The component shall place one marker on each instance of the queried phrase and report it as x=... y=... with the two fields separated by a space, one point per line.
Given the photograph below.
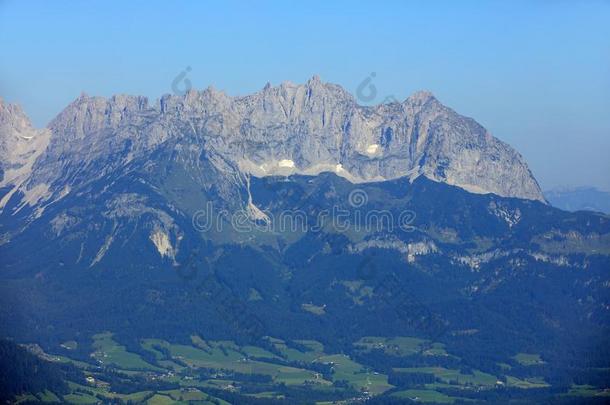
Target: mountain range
x=296 y=214
x=289 y=129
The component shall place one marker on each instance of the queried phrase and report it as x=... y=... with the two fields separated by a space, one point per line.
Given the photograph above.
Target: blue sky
x=536 y=74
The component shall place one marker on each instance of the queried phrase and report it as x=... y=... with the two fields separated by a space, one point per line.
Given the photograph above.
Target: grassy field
x=477 y=378
x=258 y=352
x=46 y=396
x=177 y=363
x=107 y=351
x=401 y=346
x=230 y=357
x=451 y=377
x=588 y=391
x=86 y=394
x=396 y=346
x=159 y=399
x=190 y=395
x=436 y=349
x=504 y=366
x=425 y=396
x=356 y=374
x=79 y=398
x=528 y=359
x=316 y=350
x=312 y=345
x=526 y=383
x=267 y=395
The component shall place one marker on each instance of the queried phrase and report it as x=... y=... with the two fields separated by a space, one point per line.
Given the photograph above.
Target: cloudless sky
x=535 y=73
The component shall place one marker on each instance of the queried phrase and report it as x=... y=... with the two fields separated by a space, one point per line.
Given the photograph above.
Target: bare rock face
x=288 y=129
x=20 y=146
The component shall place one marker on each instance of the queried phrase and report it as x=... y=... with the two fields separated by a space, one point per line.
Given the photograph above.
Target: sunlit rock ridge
x=20 y=146
x=288 y=129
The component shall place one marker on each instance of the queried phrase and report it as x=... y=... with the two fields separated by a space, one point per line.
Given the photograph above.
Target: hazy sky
x=536 y=74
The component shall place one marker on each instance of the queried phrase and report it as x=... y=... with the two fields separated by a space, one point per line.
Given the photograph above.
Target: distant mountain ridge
x=579 y=198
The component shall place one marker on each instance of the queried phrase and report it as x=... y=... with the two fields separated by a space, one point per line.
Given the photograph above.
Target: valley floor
x=277 y=371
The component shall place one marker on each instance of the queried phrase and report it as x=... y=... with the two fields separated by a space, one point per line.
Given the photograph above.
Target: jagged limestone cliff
x=304 y=129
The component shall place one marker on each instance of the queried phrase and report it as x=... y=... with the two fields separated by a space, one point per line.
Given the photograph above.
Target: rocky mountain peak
x=420 y=98
x=20 y=146
x=286 y=129
x=12 y=115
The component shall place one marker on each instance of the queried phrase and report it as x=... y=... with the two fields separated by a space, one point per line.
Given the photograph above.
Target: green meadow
x=273 y=367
